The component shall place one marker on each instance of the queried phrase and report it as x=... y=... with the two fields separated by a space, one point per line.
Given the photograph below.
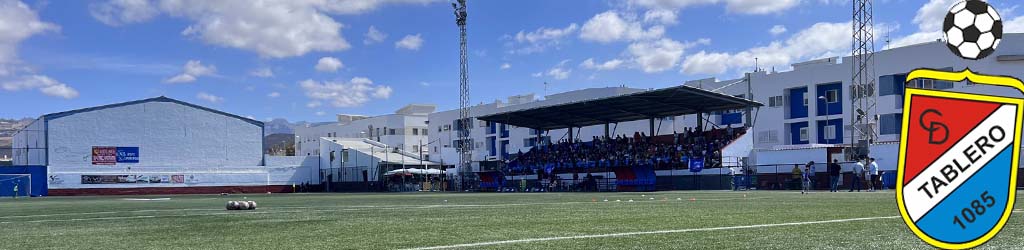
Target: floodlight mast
x=862 y=84
x=464 y=146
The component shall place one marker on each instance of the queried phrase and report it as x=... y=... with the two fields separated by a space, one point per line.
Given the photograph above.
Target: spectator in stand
x=858 y=175
x=833 y=174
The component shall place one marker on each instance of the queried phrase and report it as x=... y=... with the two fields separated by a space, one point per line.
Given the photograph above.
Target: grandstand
x=623 y=163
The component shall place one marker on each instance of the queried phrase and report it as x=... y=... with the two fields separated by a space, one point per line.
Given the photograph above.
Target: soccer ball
x=972 y=29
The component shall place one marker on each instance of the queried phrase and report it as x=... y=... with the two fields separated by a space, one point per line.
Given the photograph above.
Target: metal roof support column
x=700 y=121
x=651 y=121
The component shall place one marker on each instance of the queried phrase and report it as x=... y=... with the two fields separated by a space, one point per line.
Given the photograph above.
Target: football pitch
x=653 y=220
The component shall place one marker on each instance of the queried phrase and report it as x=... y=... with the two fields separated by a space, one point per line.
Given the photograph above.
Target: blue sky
x=308 y=60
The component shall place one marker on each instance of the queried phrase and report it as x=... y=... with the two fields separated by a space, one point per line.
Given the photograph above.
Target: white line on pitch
x=479 y=244
x=319 y=208
x=149 y=216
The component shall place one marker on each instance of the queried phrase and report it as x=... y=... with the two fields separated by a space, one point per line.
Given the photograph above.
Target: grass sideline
x=656 y=220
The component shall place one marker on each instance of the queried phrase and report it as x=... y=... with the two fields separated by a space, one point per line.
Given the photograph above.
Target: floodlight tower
x=862 y=84
x=464 y=146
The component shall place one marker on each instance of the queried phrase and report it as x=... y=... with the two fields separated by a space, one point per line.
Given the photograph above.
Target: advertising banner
x=104 y=155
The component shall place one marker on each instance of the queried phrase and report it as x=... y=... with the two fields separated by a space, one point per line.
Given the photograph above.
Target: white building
x=794 y=126
x=355 y=164
x=808 y=109
x=405 y=129
x=157 y=145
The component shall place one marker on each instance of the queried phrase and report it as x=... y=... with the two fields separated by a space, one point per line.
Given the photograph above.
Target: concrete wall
x=166 y=133
x=28 y=146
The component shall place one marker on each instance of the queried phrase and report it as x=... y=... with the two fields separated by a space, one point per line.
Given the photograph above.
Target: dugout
x=31 y=180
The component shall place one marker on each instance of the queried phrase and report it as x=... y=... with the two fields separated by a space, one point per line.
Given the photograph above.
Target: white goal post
x=8 y=182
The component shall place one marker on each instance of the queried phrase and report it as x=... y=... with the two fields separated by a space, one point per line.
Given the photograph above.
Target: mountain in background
x=282 y=126
x=279 y=144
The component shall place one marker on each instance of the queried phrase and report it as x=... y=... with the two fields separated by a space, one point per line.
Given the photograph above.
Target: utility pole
x=464 y=147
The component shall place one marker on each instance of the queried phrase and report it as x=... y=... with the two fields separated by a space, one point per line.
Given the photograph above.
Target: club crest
x=958 y=160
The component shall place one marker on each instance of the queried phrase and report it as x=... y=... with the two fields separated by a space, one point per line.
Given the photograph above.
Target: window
x=889 y=124
x=803 y=133
x=770 y=136
x=832 y=96
x=424 y=131
x=415 y=131
x=931 y=84
x=415 y=148
x=775 y=101
x=391 y=131
x=830 y=132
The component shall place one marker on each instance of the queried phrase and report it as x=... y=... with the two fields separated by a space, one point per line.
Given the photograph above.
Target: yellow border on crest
x=979 y=79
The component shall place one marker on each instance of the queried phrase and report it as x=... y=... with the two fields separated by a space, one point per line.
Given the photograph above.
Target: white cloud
x=328 y=64
x=262 y=72
x=355 y=92
x=314 y=104
x=1015 y=25
x=610 y=26
x=425 y=84
x=661 y=16
x=819 y=40
x=274 y=94
x=929 y=23
x=209 y=97
x=193 y=70
x=777 y=30
x=410 y=42
x=374 y=36
x=17 y=23
x=734 y=6
x=537 y=74
x=320 y=113
x=541 y=39
x=44 y=84
x=543 y=34
x=559 y=72
x=273 y=29
x=121 y=12
x=659 y=55
x=505 y=66
x=607 y=65
x=382 y=92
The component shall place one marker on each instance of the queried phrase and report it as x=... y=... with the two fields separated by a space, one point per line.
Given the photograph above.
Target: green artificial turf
x=411 y=220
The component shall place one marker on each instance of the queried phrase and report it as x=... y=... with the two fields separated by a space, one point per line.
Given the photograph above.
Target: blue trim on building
x=797 y=109
x=838 y=138
x=832 y=108
x=794 y=133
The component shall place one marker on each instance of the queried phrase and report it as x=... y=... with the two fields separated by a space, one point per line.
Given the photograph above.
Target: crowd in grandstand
x=661 y=152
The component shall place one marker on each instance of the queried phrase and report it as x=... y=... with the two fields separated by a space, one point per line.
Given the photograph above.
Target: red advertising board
x=104 y=155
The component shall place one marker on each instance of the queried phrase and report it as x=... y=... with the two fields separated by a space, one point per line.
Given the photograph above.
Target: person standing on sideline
x=15 y=194
x=810 y=168
x=805 y=178
x=873 y=170
x=858 y=175
x=833 y=175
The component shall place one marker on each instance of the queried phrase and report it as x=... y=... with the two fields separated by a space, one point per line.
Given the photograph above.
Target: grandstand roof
x=672 y=101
